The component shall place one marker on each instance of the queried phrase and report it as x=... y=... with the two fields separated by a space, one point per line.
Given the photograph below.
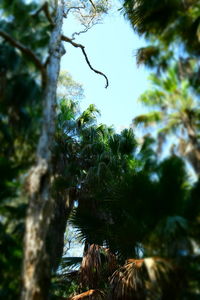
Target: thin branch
x=81 y=32
x=27 y=52
x=68 y=40
x=92 y=3
x=48 y=14
x=73 y=7
x=87 y=26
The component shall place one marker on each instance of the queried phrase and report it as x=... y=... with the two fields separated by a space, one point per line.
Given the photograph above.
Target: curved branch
x=92 y=3
x=80 y=32
x=68 y=40
x=25 y=50
x=75 y=8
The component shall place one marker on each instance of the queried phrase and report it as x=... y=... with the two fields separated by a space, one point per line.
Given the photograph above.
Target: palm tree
x=134 y=208
x=164 y=23
x=171 y=30
x=174 y=109
x=148 y=278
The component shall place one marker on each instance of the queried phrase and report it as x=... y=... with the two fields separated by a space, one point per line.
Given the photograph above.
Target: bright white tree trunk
x=37 y=260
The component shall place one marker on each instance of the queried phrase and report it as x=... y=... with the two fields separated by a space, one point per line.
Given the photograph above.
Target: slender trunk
x=55 y=239
x=37 y=257
x=194 y=155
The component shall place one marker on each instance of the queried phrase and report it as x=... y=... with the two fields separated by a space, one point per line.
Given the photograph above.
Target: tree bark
x=194 y=154
x=37 y=263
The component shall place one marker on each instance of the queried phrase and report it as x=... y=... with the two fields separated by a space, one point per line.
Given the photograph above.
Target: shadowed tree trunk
x=193 y=155
x=37 y=263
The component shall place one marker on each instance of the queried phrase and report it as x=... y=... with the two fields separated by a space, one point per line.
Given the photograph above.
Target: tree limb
x=80 y=32
x=47 y=13
x=68 y=40
x=73 y=7
x=92 y=3
x=25 y=50
x=89 y=25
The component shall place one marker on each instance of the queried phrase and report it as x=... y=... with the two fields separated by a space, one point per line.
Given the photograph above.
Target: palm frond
x=142 y=279
x=128 y=282
x=70 y=262
x=147 y=55
x=91 y=294
x=149 y=118
x=88 y=116
x=153 y=98
x=173 y=235
x=96 y=259
x=90 y=267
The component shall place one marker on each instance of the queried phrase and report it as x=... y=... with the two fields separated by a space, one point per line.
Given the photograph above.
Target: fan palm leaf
x=94 y=263
x=142 y=279
x=128 y=282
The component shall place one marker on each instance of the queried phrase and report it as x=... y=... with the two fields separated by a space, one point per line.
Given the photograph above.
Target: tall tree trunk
x=194 y=154
x=37 y=256
x=55 y=239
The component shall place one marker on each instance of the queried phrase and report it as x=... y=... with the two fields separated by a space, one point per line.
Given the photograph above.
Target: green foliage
x=171 y=29
x=122 y=195
x=129 y=201
x=174 y=111
x=37 y=35
x=168 y=21
x=128 y=206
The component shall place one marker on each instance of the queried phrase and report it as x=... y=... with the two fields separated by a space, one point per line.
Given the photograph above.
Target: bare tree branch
x=92 y=3
x=68 y=40
x=80 y=32
x=71 y=8
x=89 y=25
x=25 y=50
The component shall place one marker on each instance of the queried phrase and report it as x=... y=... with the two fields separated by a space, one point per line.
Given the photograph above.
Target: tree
x=43 y=56
x=167 y=25
x=37 y=265
x=20 y=114
x=175 y=111
x=74 y=159
x=140 y=212
x=146 y=217
x=139 y=207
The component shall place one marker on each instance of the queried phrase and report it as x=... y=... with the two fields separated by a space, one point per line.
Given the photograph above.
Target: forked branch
x=73 y=8
x=68 y=40
x=81 y=32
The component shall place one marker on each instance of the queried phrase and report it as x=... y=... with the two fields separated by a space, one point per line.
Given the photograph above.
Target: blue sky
x=110 y=47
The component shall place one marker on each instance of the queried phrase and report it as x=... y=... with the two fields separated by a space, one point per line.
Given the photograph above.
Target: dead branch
x=89 y=25
x=73 y=8
x=25 y=50
x=80 y=32
x=92 y=3
x=68 y=40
